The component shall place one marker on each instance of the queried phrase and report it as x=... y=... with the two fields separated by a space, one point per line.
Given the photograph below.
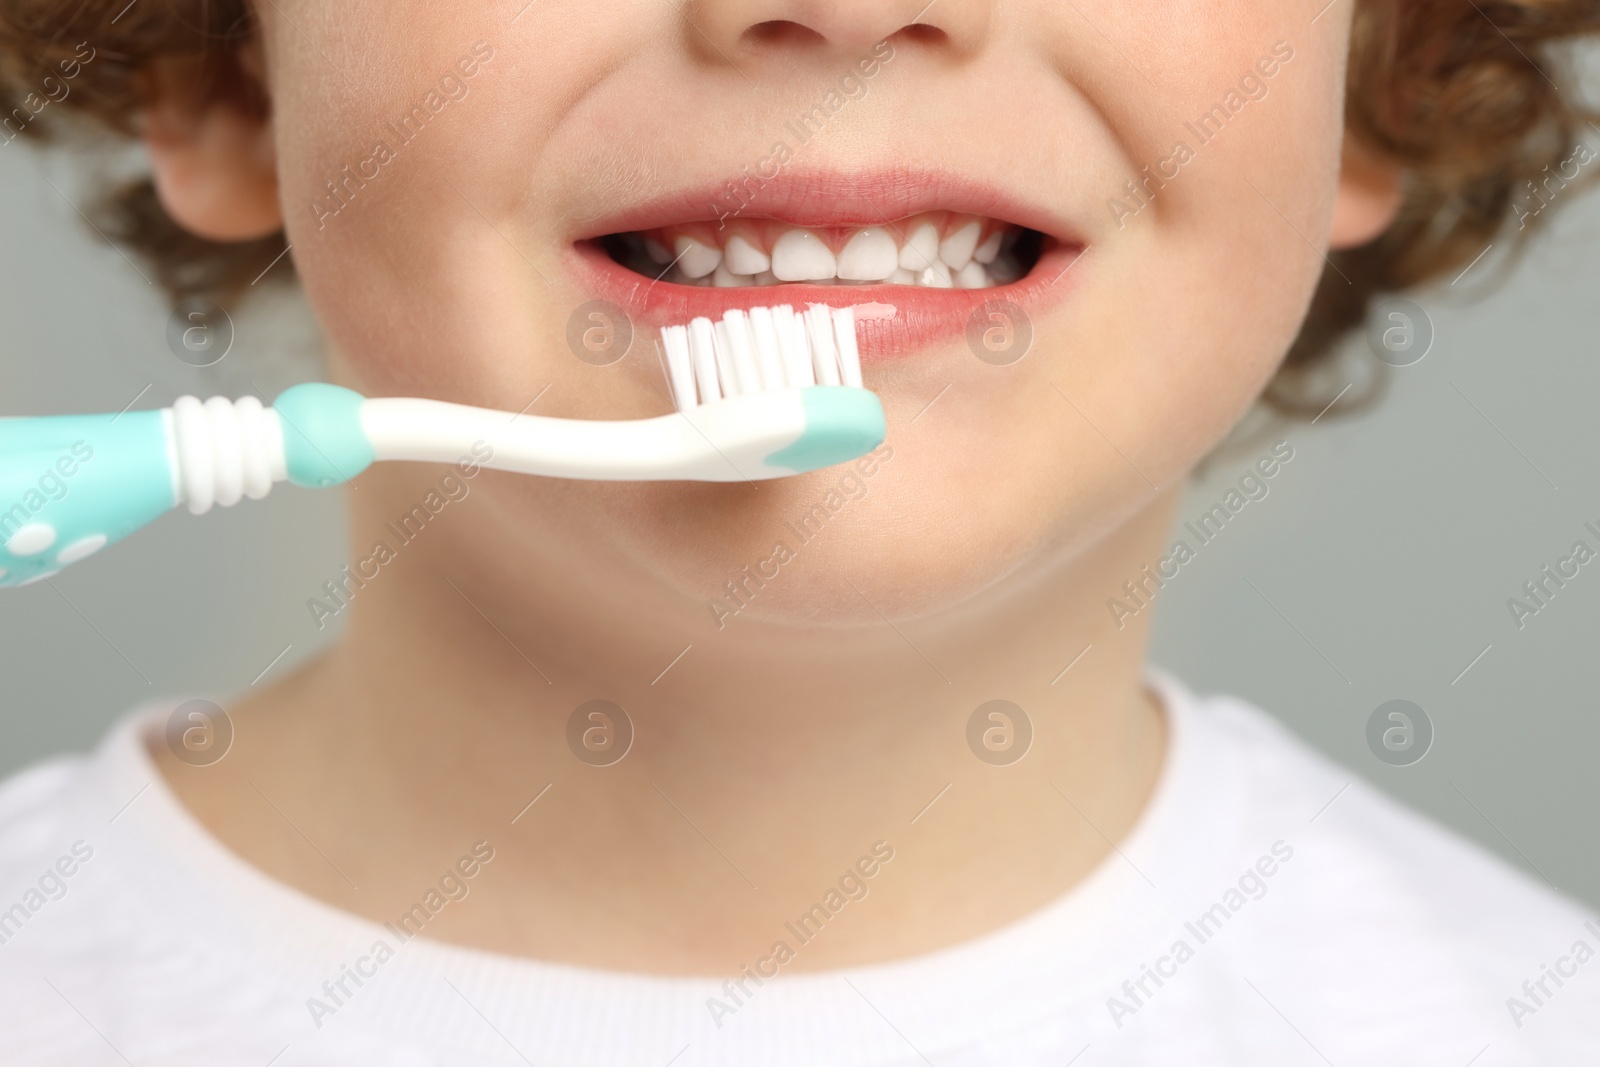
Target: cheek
x=397 y=201
x=1208 y=235
x=1215 y=270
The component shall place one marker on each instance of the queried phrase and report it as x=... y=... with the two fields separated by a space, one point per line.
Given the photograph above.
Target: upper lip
x=820 y=198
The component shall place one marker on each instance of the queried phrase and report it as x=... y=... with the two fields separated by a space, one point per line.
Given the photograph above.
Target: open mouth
x=923 y=257
x=936 y=250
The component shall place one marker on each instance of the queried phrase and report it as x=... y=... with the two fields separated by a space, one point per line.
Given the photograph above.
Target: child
x=853 y=767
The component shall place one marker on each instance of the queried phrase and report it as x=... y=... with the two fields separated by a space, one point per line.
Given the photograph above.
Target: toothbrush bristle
x=760 y=350
x=793 y=349
x=819 y=331
x=680 y=371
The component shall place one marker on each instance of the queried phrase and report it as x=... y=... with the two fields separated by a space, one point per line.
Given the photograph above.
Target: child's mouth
x=937 y=250
x=922 y=257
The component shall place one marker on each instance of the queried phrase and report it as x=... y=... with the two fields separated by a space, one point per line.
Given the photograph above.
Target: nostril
x=780 y=32
x=923 y=33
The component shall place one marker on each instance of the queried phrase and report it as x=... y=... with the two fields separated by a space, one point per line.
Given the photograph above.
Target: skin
x=826 y=715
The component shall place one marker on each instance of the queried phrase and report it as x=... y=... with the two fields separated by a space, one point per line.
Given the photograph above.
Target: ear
x=1368 y=197
x=208 y=130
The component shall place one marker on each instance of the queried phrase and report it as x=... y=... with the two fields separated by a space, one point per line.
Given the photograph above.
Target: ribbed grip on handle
x=225 y=450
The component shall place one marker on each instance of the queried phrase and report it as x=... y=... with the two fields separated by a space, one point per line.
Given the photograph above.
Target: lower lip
x=892 y=320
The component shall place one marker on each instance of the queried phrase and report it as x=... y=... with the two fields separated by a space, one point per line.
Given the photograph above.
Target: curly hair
x=1462 y=94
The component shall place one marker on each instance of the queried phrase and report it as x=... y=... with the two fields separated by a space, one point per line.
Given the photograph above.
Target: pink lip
x=895 y=320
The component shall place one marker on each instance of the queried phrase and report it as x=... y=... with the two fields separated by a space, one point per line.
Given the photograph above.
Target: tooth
x=901 y=276
x=742 y=257
x=921 y=248
x=695 y=259
x=936 y=277
x=766 y=277
x=800 y=257
x=723 y=278
x=972 y=276
x=957 y=249
x=870 y=256
x=657 y=251
x=990 y=248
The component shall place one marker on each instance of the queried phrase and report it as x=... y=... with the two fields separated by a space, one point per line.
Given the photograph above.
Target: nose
x=843 y=29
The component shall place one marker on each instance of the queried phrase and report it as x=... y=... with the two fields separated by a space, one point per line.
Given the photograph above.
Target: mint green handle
x=72 y=484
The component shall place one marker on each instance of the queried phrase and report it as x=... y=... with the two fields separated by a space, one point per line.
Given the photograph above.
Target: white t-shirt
x=1268 y=908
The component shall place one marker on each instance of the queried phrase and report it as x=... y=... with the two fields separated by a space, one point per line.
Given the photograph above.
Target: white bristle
x=793 y=349
x=736 y=331
x=680 y=371
x=819 y=331
x=844 y=337
x=703 y=360
x=760 y=350
x=764 y=334
x=726 y=371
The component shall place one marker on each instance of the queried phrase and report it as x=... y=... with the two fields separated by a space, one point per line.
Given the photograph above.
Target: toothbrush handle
x=72 y=484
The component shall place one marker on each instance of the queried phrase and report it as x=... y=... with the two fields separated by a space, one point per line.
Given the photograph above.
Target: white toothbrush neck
x=725 y=441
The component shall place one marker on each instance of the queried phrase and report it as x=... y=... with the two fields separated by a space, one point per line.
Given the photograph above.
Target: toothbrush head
x=776 y=391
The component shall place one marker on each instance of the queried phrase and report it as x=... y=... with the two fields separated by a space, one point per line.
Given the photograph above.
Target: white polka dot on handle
x=31 y=539
x=82 y=548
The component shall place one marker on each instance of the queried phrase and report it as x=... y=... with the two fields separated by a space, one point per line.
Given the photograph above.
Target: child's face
x=453 y=255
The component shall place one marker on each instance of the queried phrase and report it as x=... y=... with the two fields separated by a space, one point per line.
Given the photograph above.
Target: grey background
x=1378 y=567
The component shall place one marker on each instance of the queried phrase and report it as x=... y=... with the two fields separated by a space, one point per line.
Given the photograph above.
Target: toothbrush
x=761 y=394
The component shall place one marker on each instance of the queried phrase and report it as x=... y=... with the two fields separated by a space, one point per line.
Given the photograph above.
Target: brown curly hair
x=1462 y=94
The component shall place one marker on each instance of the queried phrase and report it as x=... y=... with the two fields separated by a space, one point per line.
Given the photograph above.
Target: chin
x=908 y=531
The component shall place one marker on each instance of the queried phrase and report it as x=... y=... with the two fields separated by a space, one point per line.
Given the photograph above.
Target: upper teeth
x=939 y=250
x=870 y=255
x=696 y=260
x=742 y=257
x=957 y=248
x=800 y=256
x=918 y=253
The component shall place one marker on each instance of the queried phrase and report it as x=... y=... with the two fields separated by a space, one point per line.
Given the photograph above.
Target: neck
x=764 y=762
